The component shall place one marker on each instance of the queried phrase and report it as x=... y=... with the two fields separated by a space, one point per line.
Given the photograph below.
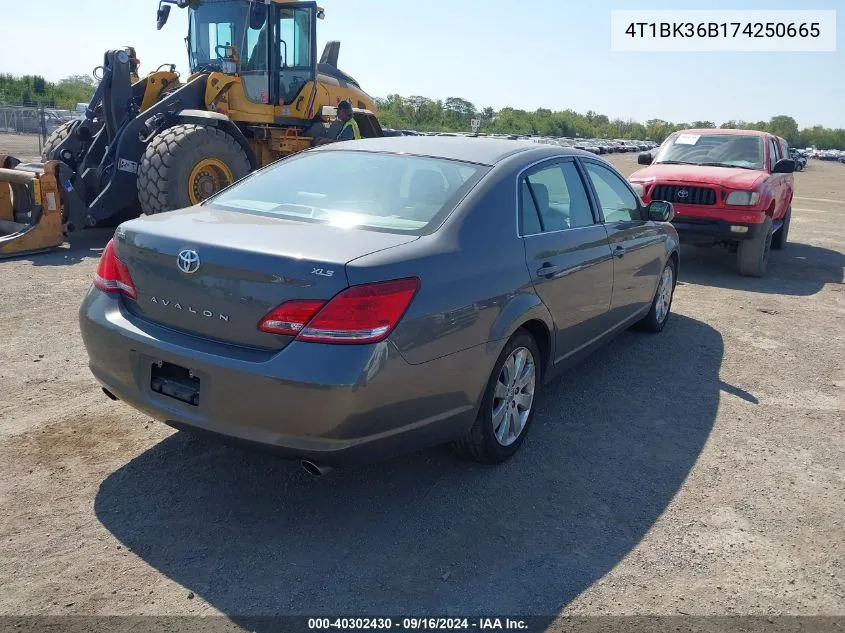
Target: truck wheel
x=185 y=164
x=56 y=138
x=753 y=255
x=779 y=238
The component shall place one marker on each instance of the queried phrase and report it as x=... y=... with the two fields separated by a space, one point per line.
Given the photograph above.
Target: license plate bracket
x=175 y=382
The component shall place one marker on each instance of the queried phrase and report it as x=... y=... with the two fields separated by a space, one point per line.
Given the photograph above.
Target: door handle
x=548 y=270
x=619 y=251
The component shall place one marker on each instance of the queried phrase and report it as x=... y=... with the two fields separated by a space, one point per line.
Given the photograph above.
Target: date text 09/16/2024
x=419 y=624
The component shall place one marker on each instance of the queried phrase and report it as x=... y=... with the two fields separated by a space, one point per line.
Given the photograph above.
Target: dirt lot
x=697 y=472
x=22 y=146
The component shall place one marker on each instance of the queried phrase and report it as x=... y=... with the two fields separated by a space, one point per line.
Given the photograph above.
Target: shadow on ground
x=798 y=270
x=78 y=246
x=611 y=445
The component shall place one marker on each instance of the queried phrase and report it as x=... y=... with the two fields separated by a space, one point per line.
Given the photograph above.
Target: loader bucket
x=30 y=207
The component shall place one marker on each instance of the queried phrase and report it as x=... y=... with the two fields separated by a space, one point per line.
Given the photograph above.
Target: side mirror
x=645 y=158
x=162 y=15
x=661 y=211
x=784 y=166
x=257 y=16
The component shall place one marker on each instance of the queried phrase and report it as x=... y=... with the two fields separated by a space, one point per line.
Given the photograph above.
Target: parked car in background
x=799 y=158
x=422 y=294
x=729 y=187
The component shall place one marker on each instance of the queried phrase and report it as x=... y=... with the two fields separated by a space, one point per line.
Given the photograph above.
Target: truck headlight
x=742 y=198
x=638 y=189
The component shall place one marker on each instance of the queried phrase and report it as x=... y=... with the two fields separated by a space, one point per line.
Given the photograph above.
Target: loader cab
x=271 y=45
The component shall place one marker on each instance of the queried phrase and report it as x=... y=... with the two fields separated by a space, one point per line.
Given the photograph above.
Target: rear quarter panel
x=475 y=288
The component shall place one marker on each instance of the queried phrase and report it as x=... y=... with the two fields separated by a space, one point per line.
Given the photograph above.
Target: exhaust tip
x=315 y=470
x=109 y=394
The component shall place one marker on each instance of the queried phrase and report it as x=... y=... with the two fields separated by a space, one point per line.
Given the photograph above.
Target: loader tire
x=186 y=163
x=56 y=138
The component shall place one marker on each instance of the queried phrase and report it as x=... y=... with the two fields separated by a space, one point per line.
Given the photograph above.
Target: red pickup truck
x=728 y=187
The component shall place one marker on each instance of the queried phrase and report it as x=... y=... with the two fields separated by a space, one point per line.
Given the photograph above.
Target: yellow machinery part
x=6 y=202
x=157 y=83
x=208 y=176
x=47 y=231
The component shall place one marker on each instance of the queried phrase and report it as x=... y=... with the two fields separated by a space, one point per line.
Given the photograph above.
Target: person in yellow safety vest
x=349 y=131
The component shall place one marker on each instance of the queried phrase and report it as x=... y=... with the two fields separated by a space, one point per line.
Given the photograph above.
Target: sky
x=530 y=54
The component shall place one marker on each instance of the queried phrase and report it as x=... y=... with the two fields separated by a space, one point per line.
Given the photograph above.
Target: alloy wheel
x=513 y=396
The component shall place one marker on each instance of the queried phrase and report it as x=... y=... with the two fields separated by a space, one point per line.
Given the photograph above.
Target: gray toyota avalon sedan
x=370 y=298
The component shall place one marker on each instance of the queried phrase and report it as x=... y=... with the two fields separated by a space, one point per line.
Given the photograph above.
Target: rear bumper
x=334 y=404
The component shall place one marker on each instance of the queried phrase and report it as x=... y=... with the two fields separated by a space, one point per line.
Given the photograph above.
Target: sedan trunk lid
x=235 y=268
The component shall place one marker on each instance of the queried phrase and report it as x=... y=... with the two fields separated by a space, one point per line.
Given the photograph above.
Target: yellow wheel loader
x=256 y=92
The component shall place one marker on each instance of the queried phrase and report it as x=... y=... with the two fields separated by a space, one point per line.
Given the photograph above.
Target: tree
x=453 y=114
x=785 y=127
x=79 y=80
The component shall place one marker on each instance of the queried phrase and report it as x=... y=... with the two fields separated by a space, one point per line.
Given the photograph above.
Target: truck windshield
x=217 y=24
x=727 y=150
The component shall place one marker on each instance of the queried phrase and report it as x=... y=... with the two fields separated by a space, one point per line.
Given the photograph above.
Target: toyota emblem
x=682 y=193
x=188 y=261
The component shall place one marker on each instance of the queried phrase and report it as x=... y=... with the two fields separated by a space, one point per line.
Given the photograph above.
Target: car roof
x=481 y=150
x=724 y=131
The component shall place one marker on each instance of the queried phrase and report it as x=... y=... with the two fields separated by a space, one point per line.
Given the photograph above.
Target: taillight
x=112 y=274
x=290 y=317
x=361 y=314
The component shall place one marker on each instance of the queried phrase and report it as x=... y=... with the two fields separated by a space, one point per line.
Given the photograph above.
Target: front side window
x=716 y=150
x=388 y=192
x=618 y=202
x=775 y=152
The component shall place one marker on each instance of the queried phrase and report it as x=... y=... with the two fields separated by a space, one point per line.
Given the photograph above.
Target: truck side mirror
x=162 y=15
x=645 y=158
x=784 y=166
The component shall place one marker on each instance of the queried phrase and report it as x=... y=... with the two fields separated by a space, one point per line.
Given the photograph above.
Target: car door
x=636 y=243
x=567 y=252
x=778 y=181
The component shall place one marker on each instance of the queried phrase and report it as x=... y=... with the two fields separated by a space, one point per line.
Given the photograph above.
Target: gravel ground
x=696 y=472
x=24 y=147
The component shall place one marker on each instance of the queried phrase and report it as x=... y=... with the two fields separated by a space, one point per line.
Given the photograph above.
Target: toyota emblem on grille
x=682 y=193
x=188 y=261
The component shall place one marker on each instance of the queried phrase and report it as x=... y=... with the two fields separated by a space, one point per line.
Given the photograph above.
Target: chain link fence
x=32 y=119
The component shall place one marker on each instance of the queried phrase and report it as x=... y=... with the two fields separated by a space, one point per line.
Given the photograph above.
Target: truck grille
x=683 y=195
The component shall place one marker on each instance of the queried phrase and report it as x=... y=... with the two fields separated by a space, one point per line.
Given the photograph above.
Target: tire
x=752 y=256
x=56 y=138
x=480 y=444
x=779 y=239
x=165 y=170
x=661 y=304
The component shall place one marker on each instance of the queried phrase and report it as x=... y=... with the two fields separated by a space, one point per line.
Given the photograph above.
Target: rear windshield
x=395 y=193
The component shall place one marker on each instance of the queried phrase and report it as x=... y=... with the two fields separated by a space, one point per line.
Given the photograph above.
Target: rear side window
x=387 y=192
x=554 y=199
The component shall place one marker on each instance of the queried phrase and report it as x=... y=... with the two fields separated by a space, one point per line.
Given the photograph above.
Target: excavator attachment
x=30 y=207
